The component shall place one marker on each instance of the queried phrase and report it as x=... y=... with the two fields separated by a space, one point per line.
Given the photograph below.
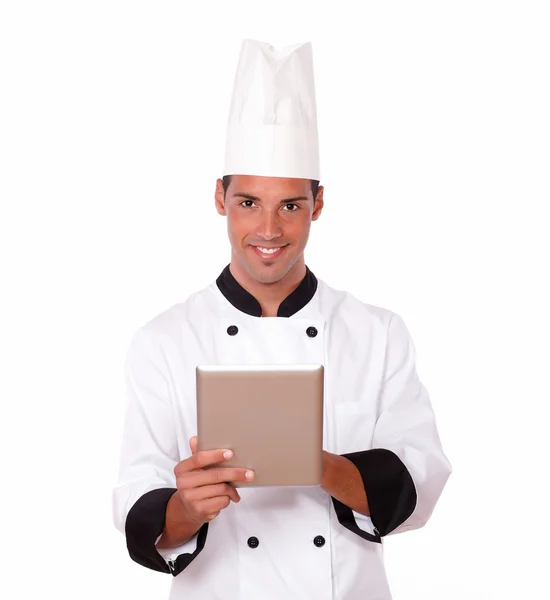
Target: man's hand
x=202 y=493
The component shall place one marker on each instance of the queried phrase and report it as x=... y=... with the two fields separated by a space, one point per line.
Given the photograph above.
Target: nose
x=269 y=227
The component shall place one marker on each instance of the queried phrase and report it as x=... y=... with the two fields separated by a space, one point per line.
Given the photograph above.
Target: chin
x=269 y=272
x=269 y=277
x=266 y=274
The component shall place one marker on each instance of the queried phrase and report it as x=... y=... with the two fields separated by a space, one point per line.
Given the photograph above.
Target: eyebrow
x=285 y=201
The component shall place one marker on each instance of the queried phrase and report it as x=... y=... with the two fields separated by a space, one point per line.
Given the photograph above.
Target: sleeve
x=149 y=453
x=406 y=470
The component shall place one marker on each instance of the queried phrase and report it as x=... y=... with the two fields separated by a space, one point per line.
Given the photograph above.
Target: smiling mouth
x=269 y=252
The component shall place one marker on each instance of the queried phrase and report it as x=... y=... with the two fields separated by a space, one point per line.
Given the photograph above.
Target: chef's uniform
x=280 y=543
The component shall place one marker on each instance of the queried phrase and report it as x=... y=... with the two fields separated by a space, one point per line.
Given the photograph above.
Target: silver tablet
x=271 y=416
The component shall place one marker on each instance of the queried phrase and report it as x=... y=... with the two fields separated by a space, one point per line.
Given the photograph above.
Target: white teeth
x=268 y=250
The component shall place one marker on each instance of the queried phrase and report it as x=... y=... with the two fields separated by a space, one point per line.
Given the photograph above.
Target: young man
x=383 y=465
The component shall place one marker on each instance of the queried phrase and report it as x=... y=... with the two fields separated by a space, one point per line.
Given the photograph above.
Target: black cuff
x=390 y=489
x=145 y=522
x=346 y=518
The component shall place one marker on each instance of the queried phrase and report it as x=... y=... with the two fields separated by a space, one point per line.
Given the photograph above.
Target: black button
x=253 y=542
x=319 y=541
x=311 y=331
x=232 y=330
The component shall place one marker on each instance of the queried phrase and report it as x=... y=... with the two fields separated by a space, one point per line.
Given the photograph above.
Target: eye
x=292 y=204
x=245 y=201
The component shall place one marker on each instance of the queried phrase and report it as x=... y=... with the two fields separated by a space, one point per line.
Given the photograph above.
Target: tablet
x=271 y=416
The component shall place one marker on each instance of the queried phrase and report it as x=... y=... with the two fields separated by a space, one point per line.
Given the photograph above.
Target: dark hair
x=314 y=185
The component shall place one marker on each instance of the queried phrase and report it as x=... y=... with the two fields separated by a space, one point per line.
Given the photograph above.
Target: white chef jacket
x=278 y=543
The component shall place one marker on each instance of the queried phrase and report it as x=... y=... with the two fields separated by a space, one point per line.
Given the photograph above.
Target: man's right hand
x=201 y=495
x=204 y=493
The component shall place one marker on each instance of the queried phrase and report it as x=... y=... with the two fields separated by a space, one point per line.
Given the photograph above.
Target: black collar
x=245 y=301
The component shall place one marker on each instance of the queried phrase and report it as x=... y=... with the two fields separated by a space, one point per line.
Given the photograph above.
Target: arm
x=342 y=480
x=404 y=472
x=149 y=453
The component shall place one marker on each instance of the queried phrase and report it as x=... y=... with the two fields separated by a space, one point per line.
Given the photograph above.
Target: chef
x=383 y=465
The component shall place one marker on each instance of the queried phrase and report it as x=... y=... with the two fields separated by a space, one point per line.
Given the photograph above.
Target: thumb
x=194 y=444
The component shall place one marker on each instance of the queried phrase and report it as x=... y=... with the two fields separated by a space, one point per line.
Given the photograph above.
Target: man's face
x=268 y=222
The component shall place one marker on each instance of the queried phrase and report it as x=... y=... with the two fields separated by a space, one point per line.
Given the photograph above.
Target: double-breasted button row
x=318 y=541
x=310 y=331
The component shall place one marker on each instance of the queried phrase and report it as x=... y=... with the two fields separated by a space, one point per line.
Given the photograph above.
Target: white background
x=434 y=130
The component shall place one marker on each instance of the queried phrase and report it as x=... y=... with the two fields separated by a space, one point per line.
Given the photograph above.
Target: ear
x=218 y=198
x=319 y=203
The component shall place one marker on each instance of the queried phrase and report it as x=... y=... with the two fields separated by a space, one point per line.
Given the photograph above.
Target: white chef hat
x=272 y=125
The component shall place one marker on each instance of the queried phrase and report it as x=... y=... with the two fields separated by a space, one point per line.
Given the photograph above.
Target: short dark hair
x=314 y=185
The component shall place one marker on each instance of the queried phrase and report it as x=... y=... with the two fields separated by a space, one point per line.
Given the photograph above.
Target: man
x=383 y=465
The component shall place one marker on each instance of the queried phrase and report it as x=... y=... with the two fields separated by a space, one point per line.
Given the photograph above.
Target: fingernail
x=249 y=475
x=228 y=454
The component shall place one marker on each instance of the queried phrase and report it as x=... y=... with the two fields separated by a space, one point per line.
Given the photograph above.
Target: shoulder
x=336 y=303
x=170 y=322
x=357 y=318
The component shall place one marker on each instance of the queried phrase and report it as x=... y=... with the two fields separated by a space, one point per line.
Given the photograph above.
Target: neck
x=269 y=295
